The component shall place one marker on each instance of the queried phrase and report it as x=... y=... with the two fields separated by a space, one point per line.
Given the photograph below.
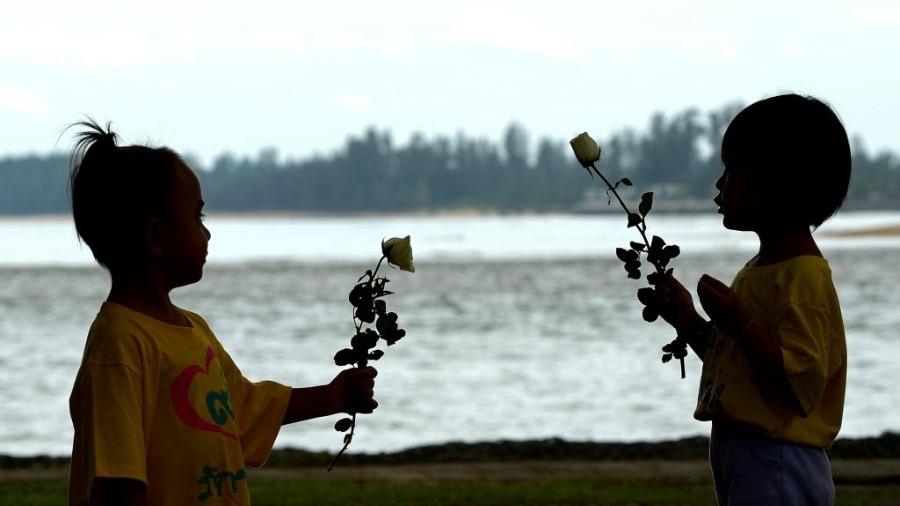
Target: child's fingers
x=363 y=384
x=364 y=373
x=362 y=401
x=364 y=406
x=712 y=284
x=367 y=372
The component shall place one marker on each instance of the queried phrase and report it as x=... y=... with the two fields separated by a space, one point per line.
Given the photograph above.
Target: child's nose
x=720 y=183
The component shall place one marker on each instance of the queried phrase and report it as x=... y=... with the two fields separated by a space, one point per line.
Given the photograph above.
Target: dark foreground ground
x=870 y=461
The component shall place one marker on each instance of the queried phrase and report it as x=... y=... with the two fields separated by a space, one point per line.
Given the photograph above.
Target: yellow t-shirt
x=795 y=300
x=167 y=406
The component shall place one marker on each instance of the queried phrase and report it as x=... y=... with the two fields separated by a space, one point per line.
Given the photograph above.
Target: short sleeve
x=112 y=431
x=259 y=410
x=805 y=333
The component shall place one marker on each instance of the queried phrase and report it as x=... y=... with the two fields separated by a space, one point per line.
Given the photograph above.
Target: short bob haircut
x=116 y=190
x=797 y=151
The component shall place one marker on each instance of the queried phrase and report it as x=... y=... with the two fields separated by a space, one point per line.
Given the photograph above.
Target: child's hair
x=797 y=151
x=115 y=190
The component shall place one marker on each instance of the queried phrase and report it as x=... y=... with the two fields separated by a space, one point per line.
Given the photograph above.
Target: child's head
x=134 y=204
x=796 y=156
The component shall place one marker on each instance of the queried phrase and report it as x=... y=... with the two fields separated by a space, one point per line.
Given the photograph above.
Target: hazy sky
x=300 y=76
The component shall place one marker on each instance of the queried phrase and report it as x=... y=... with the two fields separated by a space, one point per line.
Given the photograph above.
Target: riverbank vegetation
x=676 y=156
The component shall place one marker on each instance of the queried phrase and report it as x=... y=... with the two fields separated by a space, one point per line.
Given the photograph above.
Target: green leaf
x=656 y=244
x=667 y=357
x=672 y=251
x=634 y=219
x=637 y=246
x=345 y=357
x=343 y=425
x=626 y=255
x=394 y=337
x=645 y=295
x=649 y=314
x=387 y=323
x=634 y=274
x=364 y=340
x=632 y=265
x=625 y=181
x=359 y=294
x=646 y=203
x=365 y=314
x=380 y=307
x=375 y=354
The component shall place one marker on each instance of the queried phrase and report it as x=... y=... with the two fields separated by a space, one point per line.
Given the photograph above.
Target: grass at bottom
x=552 y=491
x=33 y=493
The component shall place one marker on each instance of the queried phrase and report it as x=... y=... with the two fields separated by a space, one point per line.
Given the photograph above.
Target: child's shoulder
x=801 y=270
x=196 y=320
x=117 y=322
x=802 y=265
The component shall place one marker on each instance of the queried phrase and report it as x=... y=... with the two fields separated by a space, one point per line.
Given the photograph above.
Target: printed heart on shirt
x=181 y=400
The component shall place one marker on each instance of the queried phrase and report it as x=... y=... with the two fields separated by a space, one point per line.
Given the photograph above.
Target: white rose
x=399 y=252
x=586 y=149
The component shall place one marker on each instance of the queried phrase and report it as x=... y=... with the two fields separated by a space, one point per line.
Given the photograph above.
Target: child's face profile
x=183 y=235
x=740 y=206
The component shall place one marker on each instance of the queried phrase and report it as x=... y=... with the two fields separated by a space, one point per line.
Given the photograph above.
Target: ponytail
x=93 y=142
x=115 y=189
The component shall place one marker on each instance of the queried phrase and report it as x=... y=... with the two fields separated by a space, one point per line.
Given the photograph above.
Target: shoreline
x=883 y=447
x=883 y=231
x=891 y=230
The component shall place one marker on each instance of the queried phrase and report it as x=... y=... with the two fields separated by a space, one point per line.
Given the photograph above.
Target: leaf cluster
x=657 y=253
x=369 y=307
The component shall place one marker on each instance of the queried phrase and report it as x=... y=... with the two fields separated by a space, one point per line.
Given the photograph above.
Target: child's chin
x=731 y=223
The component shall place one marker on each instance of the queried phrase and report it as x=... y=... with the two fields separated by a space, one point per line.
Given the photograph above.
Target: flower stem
x=346 y=444
x=641 y=227
x=375 y=272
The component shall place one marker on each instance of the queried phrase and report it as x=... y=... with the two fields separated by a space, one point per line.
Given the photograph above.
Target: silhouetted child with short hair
x=162 y=414
x=774 y=355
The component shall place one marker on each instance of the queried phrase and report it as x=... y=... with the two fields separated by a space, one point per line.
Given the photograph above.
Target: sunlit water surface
x=519 y=327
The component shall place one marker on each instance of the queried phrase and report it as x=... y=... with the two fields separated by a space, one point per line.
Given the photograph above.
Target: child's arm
x=118 y=492
x=351 y=391
x=762 y=350
x=676 y=306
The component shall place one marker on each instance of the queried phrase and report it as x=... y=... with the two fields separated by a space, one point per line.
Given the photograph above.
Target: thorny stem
x=358 y=324
x=642 y=227
x=378 y=267
x=346 y=444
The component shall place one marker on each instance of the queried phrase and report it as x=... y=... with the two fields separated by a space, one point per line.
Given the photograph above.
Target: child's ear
x=153 y=237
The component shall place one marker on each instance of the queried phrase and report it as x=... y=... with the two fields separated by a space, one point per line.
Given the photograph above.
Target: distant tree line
x=372 y=173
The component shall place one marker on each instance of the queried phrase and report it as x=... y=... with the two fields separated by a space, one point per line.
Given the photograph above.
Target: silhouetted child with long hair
x=774 y=355
x=162 y=414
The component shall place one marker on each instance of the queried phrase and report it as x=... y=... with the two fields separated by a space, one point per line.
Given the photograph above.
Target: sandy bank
x=885 y=231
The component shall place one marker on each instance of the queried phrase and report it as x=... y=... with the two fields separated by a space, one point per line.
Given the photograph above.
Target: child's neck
x=778 y=245
x=145 y=294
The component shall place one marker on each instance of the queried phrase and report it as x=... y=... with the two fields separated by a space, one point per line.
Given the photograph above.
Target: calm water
x=519 y=327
